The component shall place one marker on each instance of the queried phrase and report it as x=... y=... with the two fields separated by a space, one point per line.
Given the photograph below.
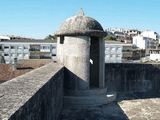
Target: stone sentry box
x=81 y=49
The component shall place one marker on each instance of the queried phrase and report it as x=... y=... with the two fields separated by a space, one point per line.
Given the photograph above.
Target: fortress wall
x=132 y=77
x=34 y=61
x=36 y=95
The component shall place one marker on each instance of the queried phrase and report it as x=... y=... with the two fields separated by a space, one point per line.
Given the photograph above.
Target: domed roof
x=80 y=25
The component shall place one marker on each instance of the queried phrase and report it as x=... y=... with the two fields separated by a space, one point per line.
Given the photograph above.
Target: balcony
x=34 y=49
x=6 y=57
x=6 y=50
x=45 y=57
x=45 y=50
x=126 y=50
x=39 y=57
x=34 y=57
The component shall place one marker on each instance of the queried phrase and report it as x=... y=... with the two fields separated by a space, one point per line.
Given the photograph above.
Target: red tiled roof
x=7 y=72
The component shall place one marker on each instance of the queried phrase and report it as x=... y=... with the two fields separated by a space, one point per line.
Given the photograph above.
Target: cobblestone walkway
x=128 y=107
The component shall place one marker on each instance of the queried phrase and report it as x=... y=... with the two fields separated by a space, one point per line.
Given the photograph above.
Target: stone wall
x=37 y=95
x=132 y=77
x=34 y=61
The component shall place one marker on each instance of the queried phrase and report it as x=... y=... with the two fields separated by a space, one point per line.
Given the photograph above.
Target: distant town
x=121 y=45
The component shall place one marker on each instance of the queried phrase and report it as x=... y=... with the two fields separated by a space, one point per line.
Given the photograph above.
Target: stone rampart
x=34 y=61
x=132 y=77
x=37 y=95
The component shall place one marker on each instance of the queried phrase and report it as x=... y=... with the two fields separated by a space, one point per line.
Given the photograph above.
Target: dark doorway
x=94 y=61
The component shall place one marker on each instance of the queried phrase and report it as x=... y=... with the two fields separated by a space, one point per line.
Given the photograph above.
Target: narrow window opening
x=61 y=39
x=94 y=61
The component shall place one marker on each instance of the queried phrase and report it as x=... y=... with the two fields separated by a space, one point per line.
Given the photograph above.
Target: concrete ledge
x=95 y=100
x=34 y=95
x=95 y=91
x=132 y=77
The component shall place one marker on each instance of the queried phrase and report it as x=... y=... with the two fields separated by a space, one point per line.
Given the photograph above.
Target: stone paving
x=137 y=106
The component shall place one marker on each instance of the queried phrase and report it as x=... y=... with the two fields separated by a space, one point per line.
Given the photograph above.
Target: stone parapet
x=132 y=77
x=36 y=95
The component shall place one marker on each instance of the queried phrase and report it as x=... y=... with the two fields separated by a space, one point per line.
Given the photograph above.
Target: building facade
x=155 y=54
x=151 y=34
x=27 y=49
x=117 y=52
x=4 y=38
x=12 y=37
x=132 y=32
x=144 y=42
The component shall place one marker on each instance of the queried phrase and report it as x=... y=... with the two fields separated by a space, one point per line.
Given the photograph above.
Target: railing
x=126 y=50
x=39 y=57
x=34 y=57
x=45 y=57
x=34 y=49
x=45 y=50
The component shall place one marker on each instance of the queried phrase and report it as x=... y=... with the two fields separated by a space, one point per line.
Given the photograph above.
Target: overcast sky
x=39 y=18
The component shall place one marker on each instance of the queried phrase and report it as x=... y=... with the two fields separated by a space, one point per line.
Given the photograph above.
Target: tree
x=51 y=37
x=110 y=38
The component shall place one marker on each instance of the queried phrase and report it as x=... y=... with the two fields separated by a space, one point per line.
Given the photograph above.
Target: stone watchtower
x=81 y=49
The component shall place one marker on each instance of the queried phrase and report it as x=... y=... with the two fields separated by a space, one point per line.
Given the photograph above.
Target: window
x=112 y=55
x=61 y=39
x=26 y=47
x=107 y=48
x=25 y=54
x=13 y=54
x=6 y=47
x=13 y=47
x=107 y=55
x=19 y=54
x=19 y=47
x=118 y=49
x=6 y=54
x=53 y=47
x=118 y=55
x=7 y=61
x=45 y=47
x=43 y=54
x=112 y=48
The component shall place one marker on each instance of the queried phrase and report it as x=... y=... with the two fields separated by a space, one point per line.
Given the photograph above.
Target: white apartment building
x=115 y=30
x=27 y=49
x=132 y=32
x=4 y=38
x=150 y=34
x=155 y=57
x=116 y=52
x=144 y=42
x=155 y=54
